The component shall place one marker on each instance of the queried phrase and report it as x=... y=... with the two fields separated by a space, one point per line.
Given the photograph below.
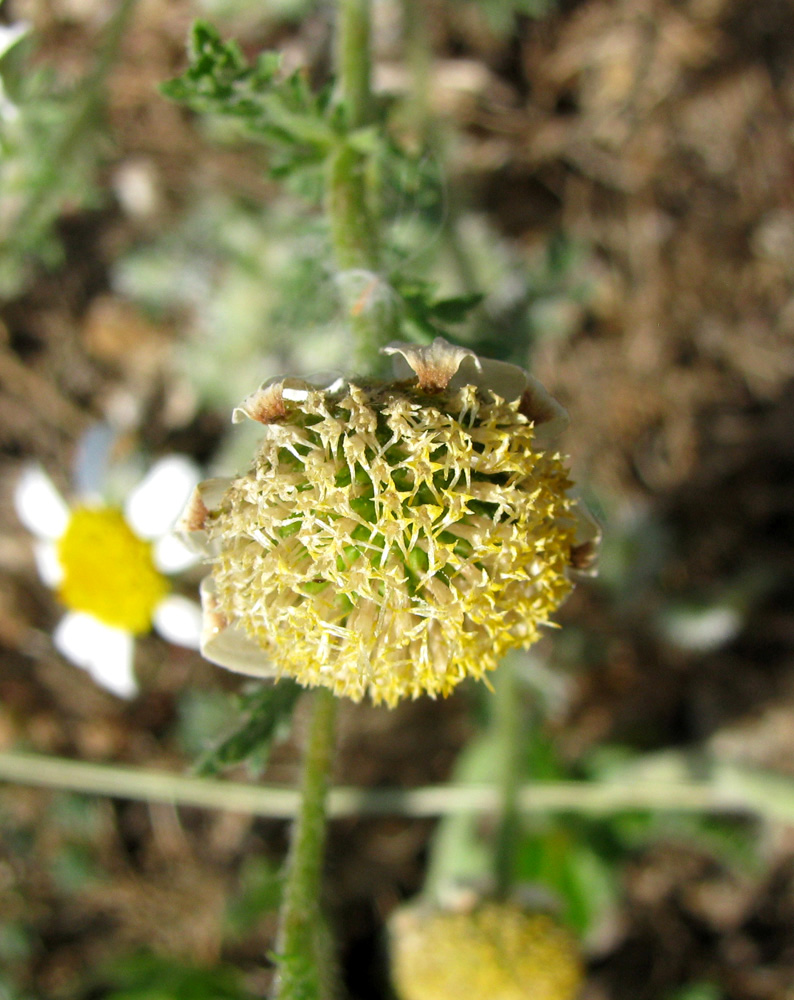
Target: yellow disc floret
x=108 y=571
x=493 y=952
x=394 y=542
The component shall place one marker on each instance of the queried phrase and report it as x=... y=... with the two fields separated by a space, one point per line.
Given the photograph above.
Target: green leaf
x=263 y=714
x=501 y=14
x=259 y=893
x=365 y=140
x=430 y=315
x=697 y=991
x=561 y=858
x=50 y=150
x=151 y=977
x=456 y=309
x=281 y=111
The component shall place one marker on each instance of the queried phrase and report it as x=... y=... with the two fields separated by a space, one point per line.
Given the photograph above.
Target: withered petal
x=434 y=365
x=538 y=405
x=192 y=525
x=224 y=643
x=267 y=405
x=584 y=551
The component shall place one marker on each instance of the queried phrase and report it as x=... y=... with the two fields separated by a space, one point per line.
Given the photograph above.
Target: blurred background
x=617 y=178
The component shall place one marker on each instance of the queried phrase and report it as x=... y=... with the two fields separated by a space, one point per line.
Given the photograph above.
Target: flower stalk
x=353 y=61
x=506 y=725
x=305 y=964
x=430 y=135
x=351 y=199
x=305 y=970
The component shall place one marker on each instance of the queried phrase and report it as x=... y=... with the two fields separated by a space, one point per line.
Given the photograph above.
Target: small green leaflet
x=262 y=714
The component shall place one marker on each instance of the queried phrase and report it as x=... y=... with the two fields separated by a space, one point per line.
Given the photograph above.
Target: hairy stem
x=353 y=59
x=506 y=719
x=431 y=136
x=305 y=966
x=351 y=197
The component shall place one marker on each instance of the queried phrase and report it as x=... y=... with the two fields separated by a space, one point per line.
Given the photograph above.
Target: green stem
x=729 y=789
x=458 y=853
x=506 y=718
x=352 y=229
x=350 y=198
x=305 y=968
x=431 y=135
x=353 y=62
x=418 y=56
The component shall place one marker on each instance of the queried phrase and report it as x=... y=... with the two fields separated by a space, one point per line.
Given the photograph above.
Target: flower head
x=392 y=538
x=108 y=565
x=493 y=951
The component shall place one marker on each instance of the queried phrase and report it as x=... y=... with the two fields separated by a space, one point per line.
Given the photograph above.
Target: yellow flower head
x=495 y=951
x=108 y=571
x=392 y=538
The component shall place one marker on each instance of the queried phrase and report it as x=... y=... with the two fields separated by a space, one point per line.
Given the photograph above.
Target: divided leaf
x=262 y=715
x=281 y=110
x=432 y=316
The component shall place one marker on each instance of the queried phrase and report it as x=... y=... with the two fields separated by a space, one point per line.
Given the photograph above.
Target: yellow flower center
x=108 y=571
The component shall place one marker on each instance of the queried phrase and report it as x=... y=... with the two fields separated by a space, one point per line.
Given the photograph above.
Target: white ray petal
x=226 y=643
x=39 y=505
x=171 y=555
x=157 y=501
x=47 y=563
x=105 y=652
x=92 y=462
x=230 y=647
x=506 y=380
x=442 y=365
x=178 y=619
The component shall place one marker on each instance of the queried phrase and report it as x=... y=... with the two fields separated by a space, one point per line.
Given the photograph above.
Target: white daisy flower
x=10 y=34
x=109 y=566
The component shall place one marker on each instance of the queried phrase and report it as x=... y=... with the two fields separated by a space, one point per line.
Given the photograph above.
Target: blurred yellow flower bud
x=494 y=951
